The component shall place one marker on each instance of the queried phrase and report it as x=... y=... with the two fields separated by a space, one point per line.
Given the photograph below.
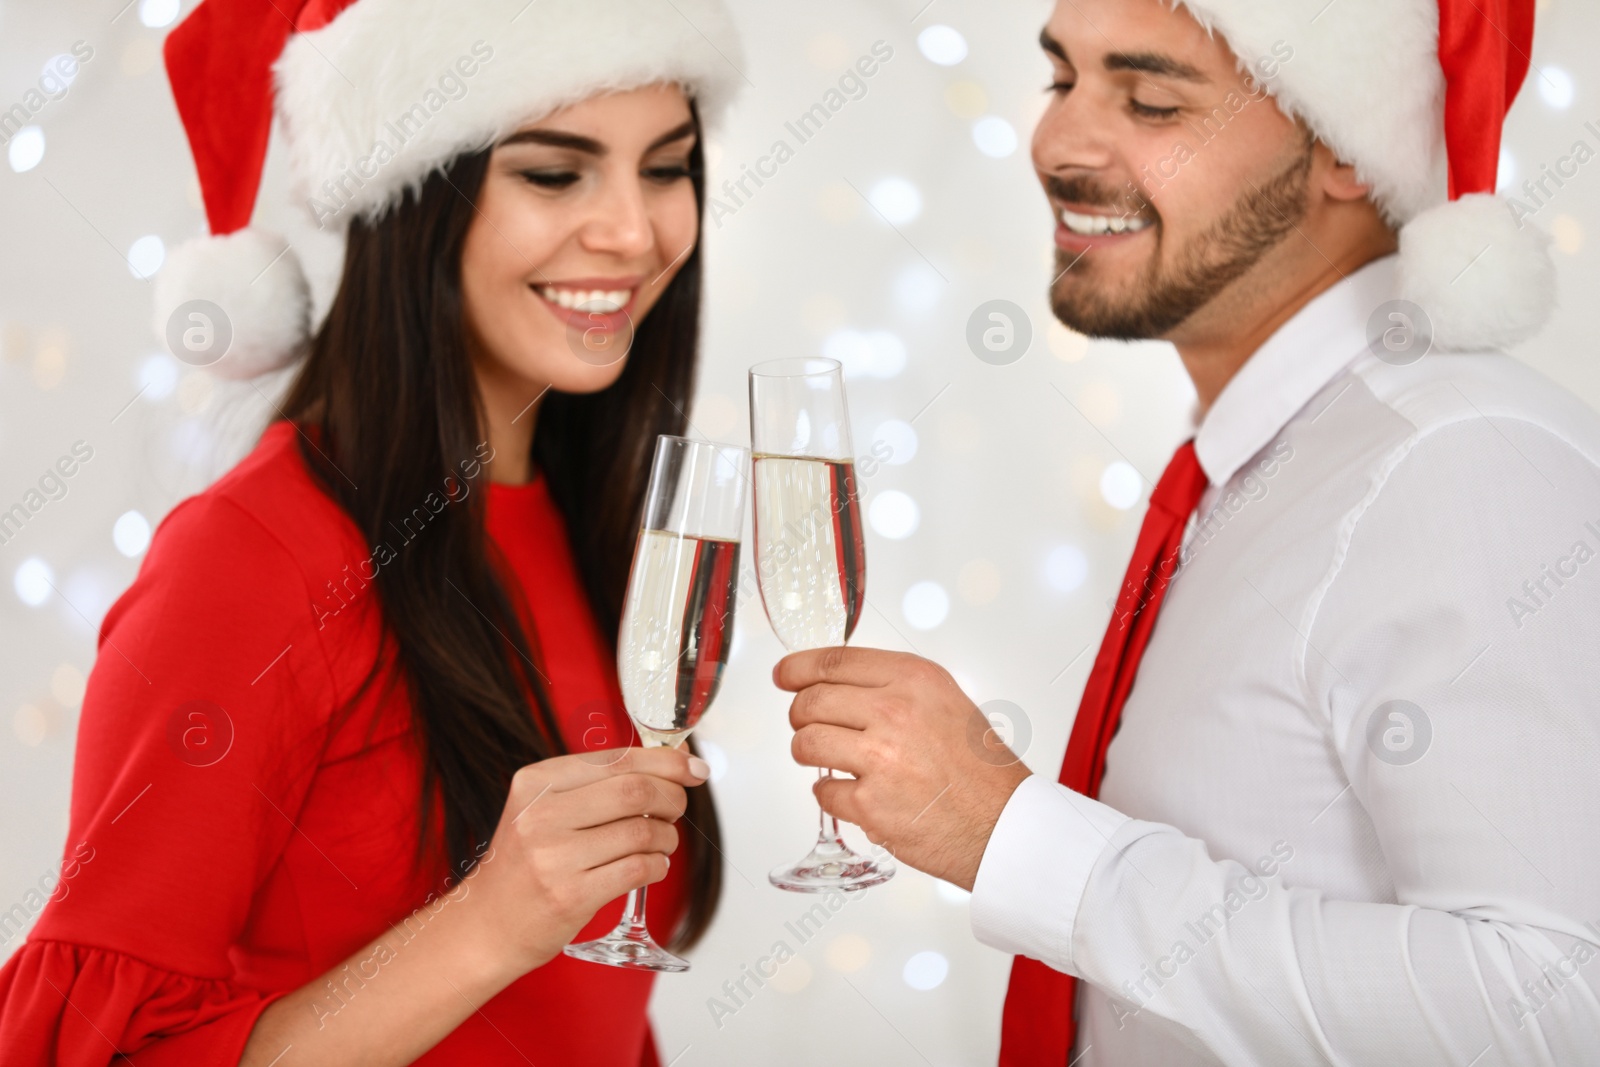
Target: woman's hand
x=577 y=832
x=572 y=837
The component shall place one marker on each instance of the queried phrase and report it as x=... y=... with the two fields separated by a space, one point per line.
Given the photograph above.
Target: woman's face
x=584 y=218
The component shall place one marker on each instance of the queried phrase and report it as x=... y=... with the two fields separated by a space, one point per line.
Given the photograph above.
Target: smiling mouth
x=596 y=301
x=1085 y=225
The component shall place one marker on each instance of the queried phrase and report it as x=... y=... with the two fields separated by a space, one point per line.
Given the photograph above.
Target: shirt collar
x=1302 y=356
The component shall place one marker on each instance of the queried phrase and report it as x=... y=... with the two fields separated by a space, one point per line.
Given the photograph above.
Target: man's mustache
x=1079 y=189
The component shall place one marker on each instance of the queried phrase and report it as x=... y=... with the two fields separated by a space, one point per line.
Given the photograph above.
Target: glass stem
x=827 y=825
x=633 y=913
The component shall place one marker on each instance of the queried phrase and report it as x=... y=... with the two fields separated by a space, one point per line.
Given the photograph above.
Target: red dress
x=232 y=837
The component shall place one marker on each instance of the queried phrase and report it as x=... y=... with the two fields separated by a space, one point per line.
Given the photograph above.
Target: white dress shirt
x=1352 y=813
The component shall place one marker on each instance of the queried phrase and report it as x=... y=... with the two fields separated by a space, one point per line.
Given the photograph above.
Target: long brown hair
x=389 y=388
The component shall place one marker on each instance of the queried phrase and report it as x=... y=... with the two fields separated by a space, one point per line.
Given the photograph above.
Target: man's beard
x=1163 y=298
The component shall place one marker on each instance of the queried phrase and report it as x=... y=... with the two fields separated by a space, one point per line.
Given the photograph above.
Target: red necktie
x=1037 y=1026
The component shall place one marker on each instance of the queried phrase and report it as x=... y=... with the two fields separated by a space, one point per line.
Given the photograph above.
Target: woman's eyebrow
x=556 y=139
x=579 y=143
x=677 y=133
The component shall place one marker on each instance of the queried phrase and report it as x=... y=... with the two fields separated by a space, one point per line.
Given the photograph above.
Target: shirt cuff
x=1035 y=868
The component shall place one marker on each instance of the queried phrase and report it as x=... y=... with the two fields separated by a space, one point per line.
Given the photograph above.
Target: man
x=1351 y=811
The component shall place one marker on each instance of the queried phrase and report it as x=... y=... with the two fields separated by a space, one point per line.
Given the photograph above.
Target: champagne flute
x=677 y=627
x=811 y=562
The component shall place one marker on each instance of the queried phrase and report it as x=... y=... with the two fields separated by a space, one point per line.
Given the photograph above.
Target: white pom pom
x=237 y=304
x=1483 y=276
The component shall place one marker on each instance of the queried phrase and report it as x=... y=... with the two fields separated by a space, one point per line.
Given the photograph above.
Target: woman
x=352 y=766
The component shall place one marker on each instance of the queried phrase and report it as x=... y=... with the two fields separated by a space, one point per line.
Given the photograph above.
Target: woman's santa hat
x=1413 y=93
x=372 y=97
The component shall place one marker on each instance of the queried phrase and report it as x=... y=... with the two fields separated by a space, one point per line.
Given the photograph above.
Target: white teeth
x=600 y=301
x=1094 y=225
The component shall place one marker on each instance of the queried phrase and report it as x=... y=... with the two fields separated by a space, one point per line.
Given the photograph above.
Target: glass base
x=832 y=865
x=628 y=947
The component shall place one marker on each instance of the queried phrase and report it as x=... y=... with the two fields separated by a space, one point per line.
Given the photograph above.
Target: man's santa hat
x=372 y=97
x=1413 y=93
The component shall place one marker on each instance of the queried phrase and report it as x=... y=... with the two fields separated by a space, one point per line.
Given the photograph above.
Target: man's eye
x=1144 y=111
x=550 y=179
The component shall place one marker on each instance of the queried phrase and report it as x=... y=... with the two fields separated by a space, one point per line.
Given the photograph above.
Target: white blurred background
x=997 y=535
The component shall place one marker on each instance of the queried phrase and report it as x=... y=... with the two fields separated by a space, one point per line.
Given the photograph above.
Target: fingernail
x=669 y=862
x=699 y=767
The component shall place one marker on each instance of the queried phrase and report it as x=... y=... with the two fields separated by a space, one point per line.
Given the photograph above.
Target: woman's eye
x=550 y=179
x=665 y=175
x=1144 y=111
x=1059 y=87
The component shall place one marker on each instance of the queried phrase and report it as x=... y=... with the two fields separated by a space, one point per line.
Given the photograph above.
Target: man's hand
x=931 y=777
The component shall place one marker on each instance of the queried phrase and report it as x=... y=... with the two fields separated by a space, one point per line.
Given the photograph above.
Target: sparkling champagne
x=677 y=628
x=811 y=561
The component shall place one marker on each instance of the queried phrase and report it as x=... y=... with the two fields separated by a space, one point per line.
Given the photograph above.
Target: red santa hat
x=372 y=97
x=1414 y=93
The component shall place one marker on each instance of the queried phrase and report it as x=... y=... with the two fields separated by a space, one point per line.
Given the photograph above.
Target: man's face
x=1170 y=172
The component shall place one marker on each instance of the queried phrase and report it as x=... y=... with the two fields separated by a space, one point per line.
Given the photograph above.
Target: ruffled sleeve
x=200 y=733
x=59 y=999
